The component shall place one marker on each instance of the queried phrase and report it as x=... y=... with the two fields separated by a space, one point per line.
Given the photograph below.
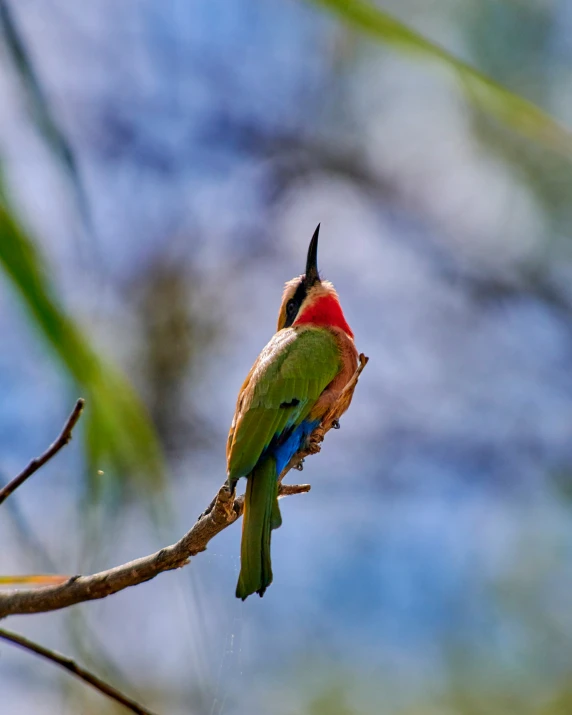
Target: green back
x=286 y=381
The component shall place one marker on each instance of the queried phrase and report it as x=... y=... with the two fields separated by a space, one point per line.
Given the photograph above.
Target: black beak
x=312 y=275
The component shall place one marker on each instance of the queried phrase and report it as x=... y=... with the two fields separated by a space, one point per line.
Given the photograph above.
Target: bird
x=296 y=378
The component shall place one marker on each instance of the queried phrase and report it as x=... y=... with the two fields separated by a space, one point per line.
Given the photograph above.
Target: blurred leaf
x=39 y=105
x=34 y=579
x=508 y=107
x=119 y=433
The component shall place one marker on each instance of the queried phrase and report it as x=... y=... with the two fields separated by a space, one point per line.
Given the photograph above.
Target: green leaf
x=119 y=433
x=39 y=106
x=507 y=107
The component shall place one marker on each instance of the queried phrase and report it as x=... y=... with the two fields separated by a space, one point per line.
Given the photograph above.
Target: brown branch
x=71 y=666
x=223 y=511
x=226 y=511
x=53 y=449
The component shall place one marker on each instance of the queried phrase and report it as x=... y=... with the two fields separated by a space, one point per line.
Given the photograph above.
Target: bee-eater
x=295 y=380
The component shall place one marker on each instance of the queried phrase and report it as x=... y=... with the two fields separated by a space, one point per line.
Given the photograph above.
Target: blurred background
x=164 y=165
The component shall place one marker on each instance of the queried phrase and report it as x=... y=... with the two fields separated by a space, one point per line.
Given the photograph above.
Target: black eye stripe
x=294 y=304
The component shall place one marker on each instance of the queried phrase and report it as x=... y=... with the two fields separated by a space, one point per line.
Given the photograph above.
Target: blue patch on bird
x=283 y=451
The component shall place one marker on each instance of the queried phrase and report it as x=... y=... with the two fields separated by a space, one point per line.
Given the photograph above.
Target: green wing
x=284 y=384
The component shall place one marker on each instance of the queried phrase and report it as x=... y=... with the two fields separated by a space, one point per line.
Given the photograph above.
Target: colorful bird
x=295 y=380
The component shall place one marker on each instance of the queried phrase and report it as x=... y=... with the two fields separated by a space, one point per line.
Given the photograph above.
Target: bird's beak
x=312 y=275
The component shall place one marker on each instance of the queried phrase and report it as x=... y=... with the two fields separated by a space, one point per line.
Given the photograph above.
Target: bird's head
x=307 y=299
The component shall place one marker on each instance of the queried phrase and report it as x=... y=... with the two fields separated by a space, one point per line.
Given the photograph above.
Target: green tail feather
x=261 y=515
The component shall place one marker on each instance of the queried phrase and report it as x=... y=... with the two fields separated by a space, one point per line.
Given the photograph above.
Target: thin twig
x=53 y=449
x=71 y=666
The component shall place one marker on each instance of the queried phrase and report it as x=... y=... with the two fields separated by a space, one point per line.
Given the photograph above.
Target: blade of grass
x=39 y=105
x=507 y=107
x=119 y=433
x=33 y=579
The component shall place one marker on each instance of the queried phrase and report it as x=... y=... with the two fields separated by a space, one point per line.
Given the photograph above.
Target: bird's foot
x=225 y=498
x=300 y=466
x=336 y=424
x=315 y=441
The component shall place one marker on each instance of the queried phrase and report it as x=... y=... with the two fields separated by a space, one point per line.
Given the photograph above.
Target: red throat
x=325 y=311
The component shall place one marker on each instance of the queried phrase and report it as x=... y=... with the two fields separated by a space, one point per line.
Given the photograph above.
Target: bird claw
x=225 y=500
x=314 y=444
x=300 y=466
x=336 y=424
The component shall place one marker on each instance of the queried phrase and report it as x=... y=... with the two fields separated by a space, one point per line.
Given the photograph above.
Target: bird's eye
x=291 y=308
